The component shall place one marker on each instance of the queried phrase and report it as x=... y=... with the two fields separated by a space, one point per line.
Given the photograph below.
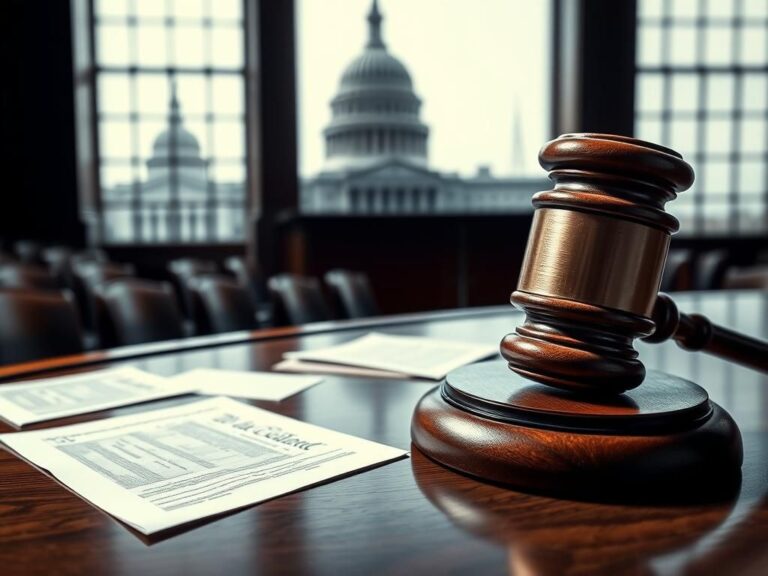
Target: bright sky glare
x=477 y=66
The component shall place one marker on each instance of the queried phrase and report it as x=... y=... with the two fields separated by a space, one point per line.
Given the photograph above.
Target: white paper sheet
x=169 y=467
x=50 y=398
x=253 y=385
x=306 y=367
x=424 y=357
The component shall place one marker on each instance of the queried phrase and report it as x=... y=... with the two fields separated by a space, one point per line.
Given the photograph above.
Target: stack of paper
x=165 y=468
x=388 y=356
x=251 y=385
x=51 y=398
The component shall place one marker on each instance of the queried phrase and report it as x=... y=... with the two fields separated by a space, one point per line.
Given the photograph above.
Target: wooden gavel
x=592 y=269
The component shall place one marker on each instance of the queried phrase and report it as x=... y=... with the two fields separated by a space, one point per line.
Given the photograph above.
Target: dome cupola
x=375 y=113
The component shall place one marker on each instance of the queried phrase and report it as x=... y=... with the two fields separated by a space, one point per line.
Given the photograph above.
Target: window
x=171 y=120
x=426 y=114
x=702 y=89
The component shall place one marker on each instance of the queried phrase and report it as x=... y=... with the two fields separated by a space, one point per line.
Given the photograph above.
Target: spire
x=174 y=116
x=374 y=27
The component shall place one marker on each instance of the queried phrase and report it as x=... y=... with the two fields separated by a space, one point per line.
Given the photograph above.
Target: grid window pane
x=116 y=139
x=752 y=135
x=649 y=48
x=227 y=46
x=189 y=46
x=683 y=46
x=717 y=116
x=685 y=92
x=684 y=136
x=751 y=177
x=650 y=93
x=228 y=97
x=192 y=9
x=150 y=9
x=755 y=92
x=720 y=92
x=152 y=45
x=649 y=130
x=171 y=120
x=756 y=8
x=153 y=94
x=111 y=8
x=719 y=45
x=228 y=10
x=112 y=45
x=717 y=9
x=752 y=46
x=114 y=94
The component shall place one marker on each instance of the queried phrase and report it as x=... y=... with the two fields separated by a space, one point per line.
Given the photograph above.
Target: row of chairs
x=689 y=270
x=39 y=319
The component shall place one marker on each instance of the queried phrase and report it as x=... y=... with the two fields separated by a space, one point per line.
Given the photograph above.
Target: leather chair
x=711 y=270
x=28 y=251
x=749 y=278
x=248 y=277
x=182 y=271
x=134 y=311
x=36 y=325
x=352 y=294
x=678 y=271
x=87 y=277
x=21 y=275
x=298 y=300
x=220 y=304
x=59 y=262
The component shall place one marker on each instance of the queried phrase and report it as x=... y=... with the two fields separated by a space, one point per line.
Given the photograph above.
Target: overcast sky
x=474 y=63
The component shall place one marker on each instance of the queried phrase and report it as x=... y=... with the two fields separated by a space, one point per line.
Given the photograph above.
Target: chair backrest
x=35 y=325
x=59 y=262
x=29 y=251
x=182 y=271
x=87 y=256
x=29 y=276
x=298 y=300
x=711 y=270
x=248 y=277
x=352 y=293
x=134 y=311
x=220 y=304
x=750 y=278
x=87 y=277
x=678 y=271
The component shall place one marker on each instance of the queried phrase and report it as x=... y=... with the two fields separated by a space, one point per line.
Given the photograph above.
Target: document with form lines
x=165 y=468
x=51 y=398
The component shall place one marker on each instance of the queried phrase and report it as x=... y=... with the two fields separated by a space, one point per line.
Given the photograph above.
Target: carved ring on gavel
x=592 y=269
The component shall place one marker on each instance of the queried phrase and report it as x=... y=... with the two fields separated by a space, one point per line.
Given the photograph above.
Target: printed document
x=168 y=467
x=252 y=385
x=303 y=366
x=51 y=398
x=414 y=356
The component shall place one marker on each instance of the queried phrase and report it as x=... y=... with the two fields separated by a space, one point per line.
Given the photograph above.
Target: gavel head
x=594 y=261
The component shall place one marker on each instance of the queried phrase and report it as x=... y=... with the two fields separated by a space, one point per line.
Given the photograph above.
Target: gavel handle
x=696 y=332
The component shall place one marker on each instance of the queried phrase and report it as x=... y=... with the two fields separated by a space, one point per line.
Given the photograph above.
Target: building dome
x=176 y=151
x=376 y=67
x=375 y=113
x=180 y=138
x=175 y=140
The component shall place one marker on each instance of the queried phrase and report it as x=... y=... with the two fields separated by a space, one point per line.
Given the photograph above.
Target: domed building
x=376 y=149
x=178 y=202
x=176 y=153
x=375 y=111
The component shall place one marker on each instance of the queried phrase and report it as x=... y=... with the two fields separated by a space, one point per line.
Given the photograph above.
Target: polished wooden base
x=664 y=437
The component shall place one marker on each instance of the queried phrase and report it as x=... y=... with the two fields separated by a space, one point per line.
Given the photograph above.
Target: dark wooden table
x=412 y=516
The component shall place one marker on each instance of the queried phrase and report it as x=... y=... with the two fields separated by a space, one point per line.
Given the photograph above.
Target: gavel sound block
x=571 y=416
